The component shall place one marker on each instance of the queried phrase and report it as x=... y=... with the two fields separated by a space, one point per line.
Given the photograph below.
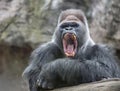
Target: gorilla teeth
x=70 y=55
x=70 y=41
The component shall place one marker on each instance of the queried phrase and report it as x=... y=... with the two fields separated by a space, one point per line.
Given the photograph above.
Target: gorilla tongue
x=70 y=49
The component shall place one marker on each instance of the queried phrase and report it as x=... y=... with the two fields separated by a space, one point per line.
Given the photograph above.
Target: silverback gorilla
x=71 y=57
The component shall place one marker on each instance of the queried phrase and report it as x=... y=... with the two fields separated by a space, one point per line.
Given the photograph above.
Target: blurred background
x=25 y=24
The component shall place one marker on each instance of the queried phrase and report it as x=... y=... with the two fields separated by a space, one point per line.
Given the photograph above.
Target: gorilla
x=71 y=57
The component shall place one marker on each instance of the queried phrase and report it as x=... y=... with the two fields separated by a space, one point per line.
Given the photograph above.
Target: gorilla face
x=69 y=38
x=71 y=35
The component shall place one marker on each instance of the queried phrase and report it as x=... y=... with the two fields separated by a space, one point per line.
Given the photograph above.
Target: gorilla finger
x=38 y=82
x=44 y=85
x=50 y=86
x=33 y=87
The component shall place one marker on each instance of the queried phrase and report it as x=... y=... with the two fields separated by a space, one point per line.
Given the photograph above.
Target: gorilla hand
x=33 y=81
x=47 y=78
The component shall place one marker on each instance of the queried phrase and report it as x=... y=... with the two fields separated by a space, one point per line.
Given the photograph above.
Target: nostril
x=69 y=28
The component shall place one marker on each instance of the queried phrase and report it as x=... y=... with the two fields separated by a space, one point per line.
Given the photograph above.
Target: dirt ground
x=11 y=83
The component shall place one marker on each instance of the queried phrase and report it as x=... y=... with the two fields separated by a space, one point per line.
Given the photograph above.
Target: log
x=103 y=85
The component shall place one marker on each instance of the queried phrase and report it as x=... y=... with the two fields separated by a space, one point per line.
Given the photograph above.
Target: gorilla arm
x=74 y=71
x=42 y=55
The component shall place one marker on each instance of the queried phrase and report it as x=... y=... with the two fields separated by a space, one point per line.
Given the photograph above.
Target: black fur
x=50 y=68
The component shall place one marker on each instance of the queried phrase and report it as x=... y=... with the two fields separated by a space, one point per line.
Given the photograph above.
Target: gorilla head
x=72 y=32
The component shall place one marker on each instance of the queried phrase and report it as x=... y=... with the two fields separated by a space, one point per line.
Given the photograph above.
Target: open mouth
x=70 y=44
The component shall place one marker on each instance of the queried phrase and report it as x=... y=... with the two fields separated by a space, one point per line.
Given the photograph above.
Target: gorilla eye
x=69 y=24
x=64 y=25
x=74 y=24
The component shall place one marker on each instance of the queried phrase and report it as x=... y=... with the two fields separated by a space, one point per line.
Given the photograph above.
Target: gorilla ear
x=75 y=12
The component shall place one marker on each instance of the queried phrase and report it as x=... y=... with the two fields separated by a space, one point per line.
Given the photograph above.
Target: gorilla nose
x=68 y=28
